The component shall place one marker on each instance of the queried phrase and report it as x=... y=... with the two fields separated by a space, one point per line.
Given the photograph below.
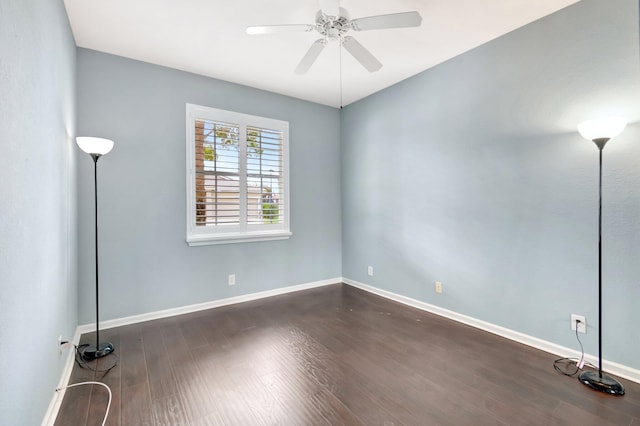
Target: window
x=237 y=177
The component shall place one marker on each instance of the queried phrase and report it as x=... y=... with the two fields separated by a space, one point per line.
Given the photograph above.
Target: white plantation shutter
x=264 y=176
x=237 y=177
x=217 y=173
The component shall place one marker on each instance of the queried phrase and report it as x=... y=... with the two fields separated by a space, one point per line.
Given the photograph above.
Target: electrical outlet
x=582 y=325
x=438 y=287
x=232 y=279
x=62 y=345
x=370 y=271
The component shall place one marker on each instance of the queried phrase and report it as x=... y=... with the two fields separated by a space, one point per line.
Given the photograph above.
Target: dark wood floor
x=332 y=355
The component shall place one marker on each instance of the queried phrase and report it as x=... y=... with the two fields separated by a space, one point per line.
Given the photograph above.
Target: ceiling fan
x=332 y=23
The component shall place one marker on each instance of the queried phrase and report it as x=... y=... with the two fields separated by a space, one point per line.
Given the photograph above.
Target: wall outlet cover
x=582 y=326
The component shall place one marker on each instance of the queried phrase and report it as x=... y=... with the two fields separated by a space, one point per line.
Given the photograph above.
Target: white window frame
x=205 y=235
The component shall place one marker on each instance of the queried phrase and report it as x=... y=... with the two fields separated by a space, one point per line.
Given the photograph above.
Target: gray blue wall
x=37 y=204
x=145 y=262
x=472 y=173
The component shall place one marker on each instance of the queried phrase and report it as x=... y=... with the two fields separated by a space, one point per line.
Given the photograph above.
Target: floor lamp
x=96 y=147
x=600 y=131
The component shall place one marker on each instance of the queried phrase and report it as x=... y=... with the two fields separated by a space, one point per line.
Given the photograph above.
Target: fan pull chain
x=340 y=52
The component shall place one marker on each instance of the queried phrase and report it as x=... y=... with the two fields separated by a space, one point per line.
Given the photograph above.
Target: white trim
x=239 y=237
x=54 y=406
x=611 y=367
x=85 y=328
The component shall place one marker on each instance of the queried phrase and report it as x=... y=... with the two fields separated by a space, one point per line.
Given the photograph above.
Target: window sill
x=231 y=238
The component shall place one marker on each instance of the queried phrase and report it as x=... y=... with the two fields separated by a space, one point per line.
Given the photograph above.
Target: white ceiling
x=208 y=37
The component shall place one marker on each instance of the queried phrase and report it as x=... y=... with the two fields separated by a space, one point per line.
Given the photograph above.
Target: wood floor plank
x=193 y=332
x=266 y=408
x=212 y=419
x=574 y=415
x=193 y=390
x=132 y=356
x=162 y=382
x=352 y=387
x=332 y=355
x=136 y=407
x=229 y=402
x=169 y=411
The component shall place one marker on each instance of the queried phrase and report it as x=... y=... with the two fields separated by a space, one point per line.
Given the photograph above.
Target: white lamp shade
x=91 y=145
x=604 y=128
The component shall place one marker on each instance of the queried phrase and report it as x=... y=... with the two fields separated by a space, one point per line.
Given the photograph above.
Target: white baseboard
x=85 y=328
x=611 y=367
x=54 y=406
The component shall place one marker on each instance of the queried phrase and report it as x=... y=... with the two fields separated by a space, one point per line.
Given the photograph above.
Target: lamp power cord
x=572 y=366
x=82 y=363
x=106 y=413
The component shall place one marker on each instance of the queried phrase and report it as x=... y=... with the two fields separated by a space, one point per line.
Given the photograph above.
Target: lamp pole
x=96 y=147
x=95 y=204
x=600 y=143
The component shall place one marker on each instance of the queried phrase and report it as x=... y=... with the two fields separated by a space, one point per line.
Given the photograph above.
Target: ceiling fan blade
x=311 y=56
x=330 y=7
x=277 y=29
x=363 y=56
x=394 y=20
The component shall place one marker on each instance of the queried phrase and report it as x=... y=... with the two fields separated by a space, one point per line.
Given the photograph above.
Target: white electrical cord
x=93 y=383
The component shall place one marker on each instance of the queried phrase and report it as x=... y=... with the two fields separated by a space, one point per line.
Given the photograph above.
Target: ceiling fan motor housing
x=332 y=27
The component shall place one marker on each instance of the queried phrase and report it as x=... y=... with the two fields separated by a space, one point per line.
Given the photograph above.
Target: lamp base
x=89 y=353
x=606 y=384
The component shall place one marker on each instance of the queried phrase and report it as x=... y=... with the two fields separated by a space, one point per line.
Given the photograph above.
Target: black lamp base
x=606 y=384
x=90 y=352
